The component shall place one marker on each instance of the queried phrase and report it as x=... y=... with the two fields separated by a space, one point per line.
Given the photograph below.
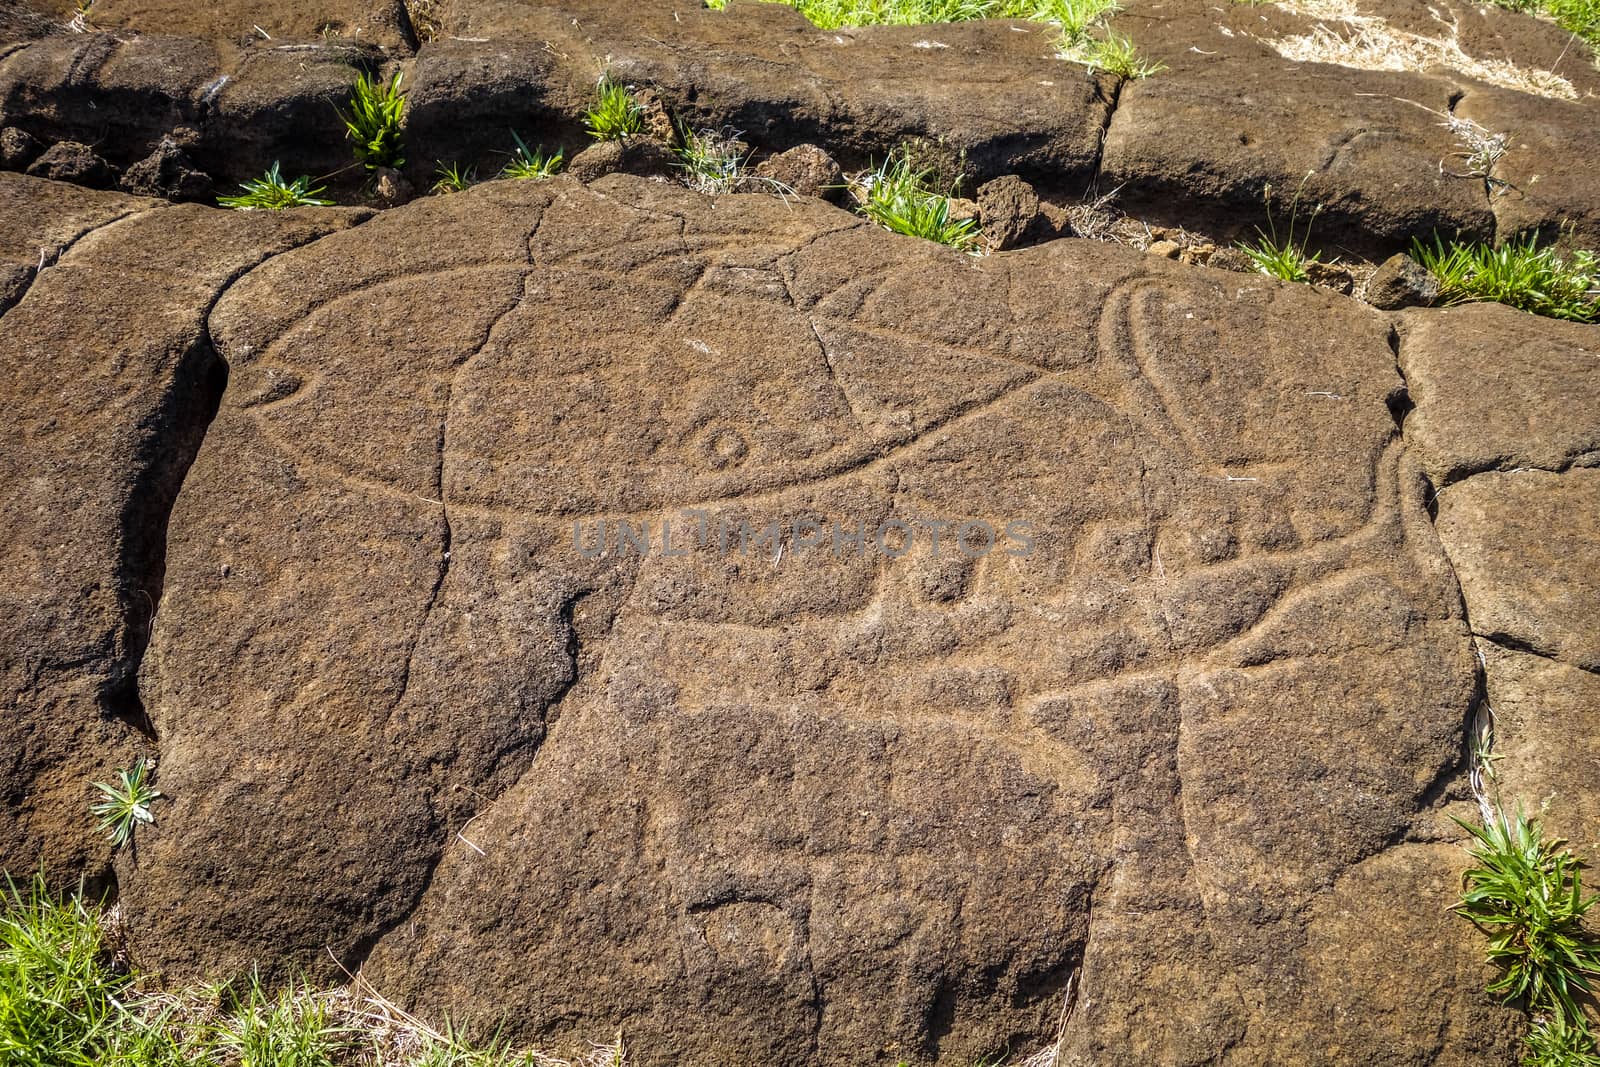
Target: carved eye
x=724 y=447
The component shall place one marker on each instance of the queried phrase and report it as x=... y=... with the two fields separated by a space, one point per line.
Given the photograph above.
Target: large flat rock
x=1524 y=547
x=1235 y=109
x=1498 y=389
x=1172 y=748
x=111 y=379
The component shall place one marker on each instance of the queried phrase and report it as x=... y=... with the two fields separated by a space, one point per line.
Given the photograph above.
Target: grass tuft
x=271 y=193
x=616 y=115
x=57 y=1004
x=713 y=161
x=373 y=123
x=452 y=177
x=126 y=804
x=531 y=164
x=1284 y=256
x=897 y=196
x=1526 y=893
x=1518 y=273
x=1113 y=53
x=293 y=1029
x=65 y=1001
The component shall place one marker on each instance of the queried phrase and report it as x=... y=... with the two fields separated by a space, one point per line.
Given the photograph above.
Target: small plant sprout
x=373 y=123
x=896 y=196
x=79 y=22
x=530 y=164
x=616 y=115
x=127 y=803
x=1479 y=149
x=1286 y=256
x=452 y=177
x=1518 y=273
x=271 y=193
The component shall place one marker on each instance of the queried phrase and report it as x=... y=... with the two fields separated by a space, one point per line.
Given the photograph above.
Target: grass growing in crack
x=1113 y=53
x=1283 y=256
x=1518 y=273
x=452 y=177
x=897 y=197
x=1526 y=893
x=271 y=193
x=616 y=114
x=373 y=123
x=531 y=164
x=1078 y=21
x=1478 y=147
x=127 y=804
x=65 y=1001
x=712 y=160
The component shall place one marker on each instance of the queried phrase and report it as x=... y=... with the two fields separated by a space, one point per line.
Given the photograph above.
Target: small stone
x=167 y=172
x=596 y=161
x=69 y=161
x=658 y=124
x=18 y=148
x=1401 y=282
x=1230 y=259
x=1165 y=249
x=391 y=186
x=643 y=156
x=806 y=169
x=1201 y=253
x=1331 y=276
x=1008 y=209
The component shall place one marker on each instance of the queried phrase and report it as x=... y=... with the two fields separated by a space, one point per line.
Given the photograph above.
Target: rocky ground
x=305 y=506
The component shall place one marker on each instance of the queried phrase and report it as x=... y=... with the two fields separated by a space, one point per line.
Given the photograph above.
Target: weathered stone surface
x=642 y=156
x=111 y=378
x=120 y=93
x=983 y=87
x=281 y=105
x=382 y=23
x=1535 y=187
x=167 y=172
x=18 y=149
x=791 y=806
x=1009 y=210
x=1401 y=282
x=1198 y=143
x=69 y=161
x=1547 y=732
x=1498 y=389
x=806 y=169
x=1524 y=547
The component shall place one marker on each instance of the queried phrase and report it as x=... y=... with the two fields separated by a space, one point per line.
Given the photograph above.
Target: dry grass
x=1368 y=42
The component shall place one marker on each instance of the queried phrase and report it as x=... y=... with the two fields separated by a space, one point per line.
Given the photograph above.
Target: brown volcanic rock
x=1537 y=187
x=985 y=88
x=1547 y=731
x=381 y=23
x=1498 y=389
x=1524 y=547
x=112 y=378
x=788 y=805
